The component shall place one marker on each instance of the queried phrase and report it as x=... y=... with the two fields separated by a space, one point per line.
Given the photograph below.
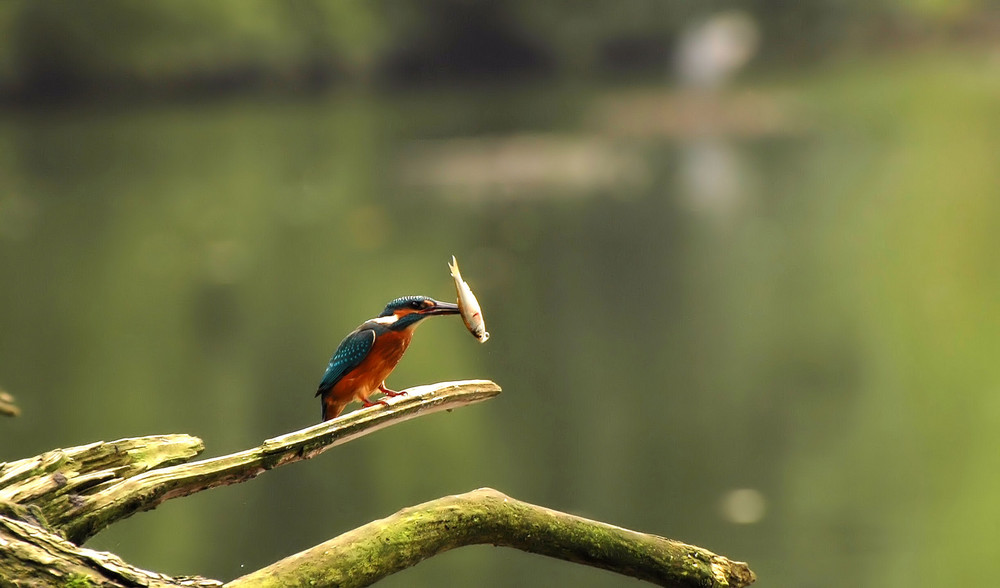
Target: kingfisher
x=366 y=356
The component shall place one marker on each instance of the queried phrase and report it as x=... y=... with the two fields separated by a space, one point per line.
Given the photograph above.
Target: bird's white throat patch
x=386 y=320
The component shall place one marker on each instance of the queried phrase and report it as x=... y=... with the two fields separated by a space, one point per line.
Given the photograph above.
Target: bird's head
x=408 y=310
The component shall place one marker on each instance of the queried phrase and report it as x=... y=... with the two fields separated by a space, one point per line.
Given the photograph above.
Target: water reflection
x=821 y=369
x=524 y=166
x=711 y=178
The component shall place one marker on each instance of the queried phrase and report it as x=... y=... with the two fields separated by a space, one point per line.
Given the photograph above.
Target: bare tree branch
x=373 y=551
x=84 y=489
x=73 y=493
x=32 y=556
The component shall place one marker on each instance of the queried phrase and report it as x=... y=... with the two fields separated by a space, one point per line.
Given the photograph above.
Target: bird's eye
x=417 y=304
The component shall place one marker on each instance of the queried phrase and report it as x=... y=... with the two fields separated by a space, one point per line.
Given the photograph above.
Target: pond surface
x=764 y=322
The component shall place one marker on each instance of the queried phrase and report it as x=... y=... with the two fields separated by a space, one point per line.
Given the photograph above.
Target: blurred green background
x=739 y=262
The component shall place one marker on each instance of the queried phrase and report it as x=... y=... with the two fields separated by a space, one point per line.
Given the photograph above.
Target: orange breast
x=360 y=382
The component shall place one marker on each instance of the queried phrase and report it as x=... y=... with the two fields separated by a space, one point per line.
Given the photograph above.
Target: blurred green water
x=820 y=329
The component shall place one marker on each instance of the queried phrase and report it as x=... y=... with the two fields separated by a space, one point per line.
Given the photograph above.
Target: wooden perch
x=85 y=489
x=51 y=503
x=373 y=551
x=7 y=405
x=30 y=556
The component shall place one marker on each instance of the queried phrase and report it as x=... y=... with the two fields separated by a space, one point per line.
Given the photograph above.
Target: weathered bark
x=32 y=556
x=373 y=551
x=51 y=503
x=82 y=490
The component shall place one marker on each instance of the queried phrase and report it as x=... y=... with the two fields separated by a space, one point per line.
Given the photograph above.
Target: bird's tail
x=332 y=406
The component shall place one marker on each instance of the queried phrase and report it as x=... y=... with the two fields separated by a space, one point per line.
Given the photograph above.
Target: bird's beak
x=441 y=308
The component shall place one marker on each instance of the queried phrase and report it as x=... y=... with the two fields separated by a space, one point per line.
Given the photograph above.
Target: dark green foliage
x=57 y=49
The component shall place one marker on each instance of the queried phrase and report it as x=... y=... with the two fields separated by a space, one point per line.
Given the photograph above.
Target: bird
x=369 y=353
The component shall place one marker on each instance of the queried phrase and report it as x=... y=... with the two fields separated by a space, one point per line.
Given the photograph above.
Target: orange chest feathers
x=386 y=352
x=378 y=364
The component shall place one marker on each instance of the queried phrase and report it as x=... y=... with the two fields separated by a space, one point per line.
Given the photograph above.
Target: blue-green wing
x=350 y=353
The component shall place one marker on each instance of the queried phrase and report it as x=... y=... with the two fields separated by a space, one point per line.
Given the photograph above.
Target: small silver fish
x=468 y=305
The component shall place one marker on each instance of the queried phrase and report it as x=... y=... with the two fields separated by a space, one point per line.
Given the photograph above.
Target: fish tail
x=453 y=266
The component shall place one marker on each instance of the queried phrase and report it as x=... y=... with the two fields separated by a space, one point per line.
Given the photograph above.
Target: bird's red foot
x=368 y=403
x=390 y=393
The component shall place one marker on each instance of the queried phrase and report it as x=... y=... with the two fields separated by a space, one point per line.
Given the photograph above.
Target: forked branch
x=84 y=489
x=74 y=493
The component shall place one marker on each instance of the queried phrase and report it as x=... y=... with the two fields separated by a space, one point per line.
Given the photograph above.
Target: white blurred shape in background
x=743 y=506
x=710 y=51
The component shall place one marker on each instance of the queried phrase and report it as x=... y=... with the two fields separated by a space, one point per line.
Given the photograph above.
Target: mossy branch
x=74 y=493
x=31 y=556
x=82 y=490
x=373 y=551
